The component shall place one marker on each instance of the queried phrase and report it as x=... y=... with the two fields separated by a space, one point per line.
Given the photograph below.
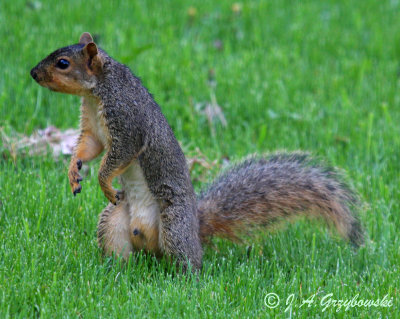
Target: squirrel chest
x=139 y=204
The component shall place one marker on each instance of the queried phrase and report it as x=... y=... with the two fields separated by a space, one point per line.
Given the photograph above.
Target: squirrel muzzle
x=37 y=75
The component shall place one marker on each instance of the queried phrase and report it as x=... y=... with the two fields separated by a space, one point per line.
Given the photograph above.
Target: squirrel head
x=73 y=69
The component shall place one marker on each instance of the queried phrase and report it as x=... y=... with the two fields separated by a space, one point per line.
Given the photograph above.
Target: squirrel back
x=260 y=192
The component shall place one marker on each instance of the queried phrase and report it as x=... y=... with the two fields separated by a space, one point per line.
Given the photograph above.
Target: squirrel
x=156 y=209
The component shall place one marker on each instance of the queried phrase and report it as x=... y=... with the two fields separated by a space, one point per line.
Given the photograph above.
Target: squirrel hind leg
x=113 y=231
x=179 y=236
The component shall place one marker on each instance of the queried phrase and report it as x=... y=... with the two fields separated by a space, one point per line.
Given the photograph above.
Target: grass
x=312 y=75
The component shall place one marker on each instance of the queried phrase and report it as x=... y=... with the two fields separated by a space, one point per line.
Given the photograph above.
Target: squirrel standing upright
x=157 y=209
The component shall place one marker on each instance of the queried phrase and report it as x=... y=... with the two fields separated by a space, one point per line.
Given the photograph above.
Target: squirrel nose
x=34 y=74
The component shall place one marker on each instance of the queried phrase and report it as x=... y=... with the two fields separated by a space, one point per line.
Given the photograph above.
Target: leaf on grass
x=40 y=142
x=199 y=163
x=219 y=45
x=237 y=8
x=211 y=109
x=200 y=159
x=213 y=112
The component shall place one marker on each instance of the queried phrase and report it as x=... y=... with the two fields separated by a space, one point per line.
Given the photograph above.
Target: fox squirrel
x=157 y=209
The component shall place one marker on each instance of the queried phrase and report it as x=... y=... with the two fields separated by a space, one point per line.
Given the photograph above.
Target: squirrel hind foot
x=113 y=232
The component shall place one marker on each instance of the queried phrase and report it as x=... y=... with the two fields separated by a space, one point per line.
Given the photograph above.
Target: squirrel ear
x=85 y=38
x=94 y=60
x=91 y=49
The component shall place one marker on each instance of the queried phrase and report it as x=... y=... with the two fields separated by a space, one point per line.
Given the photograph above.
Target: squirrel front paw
x=74 y=177
x=115 y=196
x=120 y=195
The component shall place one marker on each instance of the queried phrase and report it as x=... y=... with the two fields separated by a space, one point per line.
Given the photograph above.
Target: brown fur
x=262 y=191
x=107 y=173
x=141 y=237
x=114 y=233
x=134 y=130
x=146 y=239
x=120 y=116
x=89 y=144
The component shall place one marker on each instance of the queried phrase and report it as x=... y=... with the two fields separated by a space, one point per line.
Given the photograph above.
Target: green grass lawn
x=321 y=76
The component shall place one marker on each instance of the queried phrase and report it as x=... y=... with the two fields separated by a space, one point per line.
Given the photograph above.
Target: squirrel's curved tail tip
x=261 y=191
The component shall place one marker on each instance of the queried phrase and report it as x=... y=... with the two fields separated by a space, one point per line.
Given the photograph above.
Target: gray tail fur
x=260 y=191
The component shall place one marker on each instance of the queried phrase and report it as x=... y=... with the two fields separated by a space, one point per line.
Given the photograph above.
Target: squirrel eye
x=62 y=64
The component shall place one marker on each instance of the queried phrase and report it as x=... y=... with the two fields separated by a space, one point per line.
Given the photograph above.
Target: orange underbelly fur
x=144 y=237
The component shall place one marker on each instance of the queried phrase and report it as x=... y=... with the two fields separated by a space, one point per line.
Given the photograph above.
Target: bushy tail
x=261 y=191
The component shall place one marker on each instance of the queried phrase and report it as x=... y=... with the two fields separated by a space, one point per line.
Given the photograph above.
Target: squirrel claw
x=79 y=164
x=77 y=189
x=119 y=196
x=74 y=179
